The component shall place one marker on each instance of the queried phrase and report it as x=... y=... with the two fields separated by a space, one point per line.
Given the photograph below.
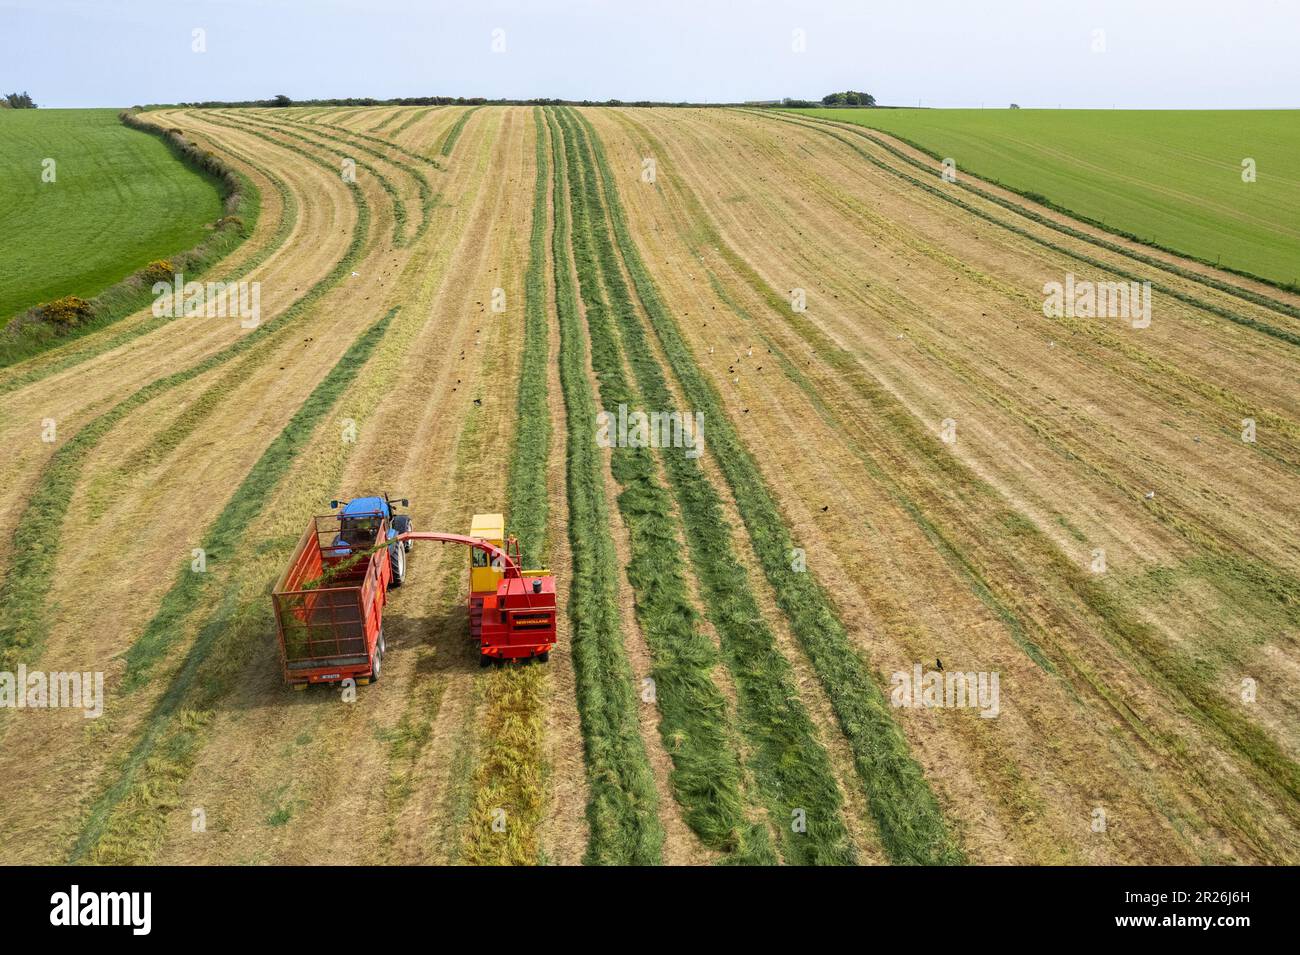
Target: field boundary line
x=26 y=334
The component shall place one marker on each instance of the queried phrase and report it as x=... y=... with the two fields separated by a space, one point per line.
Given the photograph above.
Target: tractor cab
x=359 y=522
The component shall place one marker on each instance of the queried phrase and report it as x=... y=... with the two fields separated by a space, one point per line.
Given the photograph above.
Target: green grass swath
x=912 y=828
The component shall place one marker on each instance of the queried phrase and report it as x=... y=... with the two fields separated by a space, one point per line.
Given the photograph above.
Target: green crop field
x=119 y=200
x=1172 y=177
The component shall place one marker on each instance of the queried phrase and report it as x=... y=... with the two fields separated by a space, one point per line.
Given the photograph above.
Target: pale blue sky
x=1157 y=53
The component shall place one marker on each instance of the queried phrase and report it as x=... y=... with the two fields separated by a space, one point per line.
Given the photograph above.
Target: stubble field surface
x=914 y=467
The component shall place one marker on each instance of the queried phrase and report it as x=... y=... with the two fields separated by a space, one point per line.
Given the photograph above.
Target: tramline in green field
x=118 y=199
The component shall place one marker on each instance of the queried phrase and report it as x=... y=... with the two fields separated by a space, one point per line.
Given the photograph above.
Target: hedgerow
x=45 y=326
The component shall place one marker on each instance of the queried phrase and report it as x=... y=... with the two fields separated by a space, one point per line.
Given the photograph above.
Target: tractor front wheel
x=402 y=524
x=397 y=561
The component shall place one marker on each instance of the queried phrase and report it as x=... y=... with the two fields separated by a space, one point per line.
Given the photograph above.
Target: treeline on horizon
x=416 y=101
x=282 y=101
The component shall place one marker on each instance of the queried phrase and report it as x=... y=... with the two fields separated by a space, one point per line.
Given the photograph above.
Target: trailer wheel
x=397 y=560
x=378 y=659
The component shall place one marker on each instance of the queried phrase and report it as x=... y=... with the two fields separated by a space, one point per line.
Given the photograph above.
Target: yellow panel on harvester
x=483 y=577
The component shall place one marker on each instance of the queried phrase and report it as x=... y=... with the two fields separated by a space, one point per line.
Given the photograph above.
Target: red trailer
x=329 y=606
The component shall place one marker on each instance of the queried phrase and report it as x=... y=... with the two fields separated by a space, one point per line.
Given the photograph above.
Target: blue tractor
x=359 y=522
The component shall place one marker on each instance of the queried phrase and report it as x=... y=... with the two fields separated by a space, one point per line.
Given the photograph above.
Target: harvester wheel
x=397 y=560
x=484 y=660
x=543 y=656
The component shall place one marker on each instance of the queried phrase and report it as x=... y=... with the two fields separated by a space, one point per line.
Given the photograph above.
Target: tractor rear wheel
x=397 y=561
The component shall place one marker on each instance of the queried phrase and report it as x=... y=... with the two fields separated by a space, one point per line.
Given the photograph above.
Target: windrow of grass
x=511 y=768
x=252 y=127
x=453 y=133
x=1003 y=531
x=225 y=536
x=349 y=135
x=71 y=357
x=428 y=198
x=695 y=725
x=911 y=825
x=385 y=122
x=412 y=120
x=30 y=334
x=526 y=497
x=1282 y=334
x=622 y=811
x=1143 y=167
x=792 y=769
x=236 y=636
x=35 y=545
x=1245 y=294
x=311 y=114
x=378 y=140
